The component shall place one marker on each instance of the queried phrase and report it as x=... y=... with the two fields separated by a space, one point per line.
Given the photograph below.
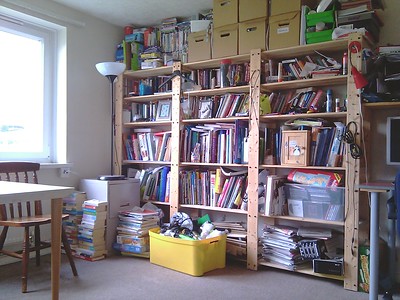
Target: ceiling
x=139 y=13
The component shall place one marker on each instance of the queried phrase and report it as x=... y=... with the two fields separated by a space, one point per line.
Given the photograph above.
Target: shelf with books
x=184 y=163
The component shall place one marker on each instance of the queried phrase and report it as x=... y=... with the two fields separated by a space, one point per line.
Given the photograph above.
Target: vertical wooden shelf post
x=253 y=170
x=175 y=128
x=352 y=195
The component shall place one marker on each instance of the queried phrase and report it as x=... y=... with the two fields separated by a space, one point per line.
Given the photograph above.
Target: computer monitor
x=393 y=140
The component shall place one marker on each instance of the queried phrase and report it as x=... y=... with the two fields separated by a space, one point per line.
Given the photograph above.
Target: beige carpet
x=121 y=277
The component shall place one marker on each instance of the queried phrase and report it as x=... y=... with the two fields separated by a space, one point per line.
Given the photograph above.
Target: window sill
x=55 y=165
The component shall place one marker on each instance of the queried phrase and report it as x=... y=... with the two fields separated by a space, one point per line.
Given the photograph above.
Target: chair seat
x=29 y=221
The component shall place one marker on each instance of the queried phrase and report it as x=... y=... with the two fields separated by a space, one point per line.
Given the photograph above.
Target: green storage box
x=327 y=17
x=318 y=37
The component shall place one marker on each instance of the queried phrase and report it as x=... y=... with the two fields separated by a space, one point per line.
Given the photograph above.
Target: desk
x=374 y=188
x=16 y=191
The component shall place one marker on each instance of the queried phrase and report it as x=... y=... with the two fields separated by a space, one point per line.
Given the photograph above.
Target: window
x=28 y=93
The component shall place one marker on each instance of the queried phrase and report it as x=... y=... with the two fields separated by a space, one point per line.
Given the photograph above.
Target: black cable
x=349 y=138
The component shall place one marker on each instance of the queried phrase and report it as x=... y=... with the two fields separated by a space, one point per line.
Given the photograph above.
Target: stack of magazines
x=280 y=246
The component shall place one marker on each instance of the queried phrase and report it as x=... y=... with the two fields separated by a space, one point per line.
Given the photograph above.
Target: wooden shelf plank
x=308 y=271
x=211 y=208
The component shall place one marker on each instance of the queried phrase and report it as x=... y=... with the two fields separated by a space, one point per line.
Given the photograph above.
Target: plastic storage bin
x=316 y=202
x=191 y=257
x=327 y=18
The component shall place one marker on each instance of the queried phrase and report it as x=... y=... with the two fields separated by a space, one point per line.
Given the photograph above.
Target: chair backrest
x=19 y=171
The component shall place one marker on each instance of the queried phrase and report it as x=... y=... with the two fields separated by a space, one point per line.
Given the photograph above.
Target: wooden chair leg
x=37 y=245
x=68 y=251
x=25 y=260
x=3 y=236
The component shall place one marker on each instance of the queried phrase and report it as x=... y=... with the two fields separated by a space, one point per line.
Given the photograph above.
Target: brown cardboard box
x=252 y=9
x=226 y=12
x=225 y=41
x=284 y=30
x=199 y=46
x=281 y=7
x=252 y=35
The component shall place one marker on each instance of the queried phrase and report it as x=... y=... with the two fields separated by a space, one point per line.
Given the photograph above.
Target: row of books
x=309 y=66
x=155 y=184
x=237 y=74
x=215 y=143
x=133 y=231
x=212 y=188
x=91 y=232
x=219 y=106
x=148 y=146
x=297 y=101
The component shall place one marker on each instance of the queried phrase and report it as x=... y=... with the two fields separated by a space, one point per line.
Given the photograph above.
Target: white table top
x=11 y=191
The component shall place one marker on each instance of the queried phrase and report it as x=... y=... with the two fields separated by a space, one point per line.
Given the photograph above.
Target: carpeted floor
x=120 y=277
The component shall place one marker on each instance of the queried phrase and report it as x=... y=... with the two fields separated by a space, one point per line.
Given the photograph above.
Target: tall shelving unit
x=255 y=221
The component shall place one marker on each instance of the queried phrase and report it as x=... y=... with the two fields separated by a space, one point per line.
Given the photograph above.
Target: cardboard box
x=252 y=35
x=281 y=7
x=225 y=41
x=191 y=257
x=199 y=46
x=284 y=30
x=252 y=9
x=226 y=12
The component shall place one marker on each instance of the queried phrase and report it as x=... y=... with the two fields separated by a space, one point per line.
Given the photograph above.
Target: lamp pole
x=111 y=70
x=111 y=78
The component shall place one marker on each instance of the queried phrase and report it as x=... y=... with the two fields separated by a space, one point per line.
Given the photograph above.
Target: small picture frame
x=164 y=110
x=205 y=109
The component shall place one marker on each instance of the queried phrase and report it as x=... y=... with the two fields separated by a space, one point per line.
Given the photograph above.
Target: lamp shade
x=110 y=68
x=359 y=79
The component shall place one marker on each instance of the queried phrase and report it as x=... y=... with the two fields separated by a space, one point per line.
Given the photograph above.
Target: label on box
x=282 y=30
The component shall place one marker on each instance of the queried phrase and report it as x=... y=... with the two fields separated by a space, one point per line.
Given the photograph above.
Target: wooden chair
x=21 y=215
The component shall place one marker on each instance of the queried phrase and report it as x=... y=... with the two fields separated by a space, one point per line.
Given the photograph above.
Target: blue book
x=163 y=183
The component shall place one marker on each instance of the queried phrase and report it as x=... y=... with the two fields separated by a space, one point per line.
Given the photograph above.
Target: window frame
x=24 y=25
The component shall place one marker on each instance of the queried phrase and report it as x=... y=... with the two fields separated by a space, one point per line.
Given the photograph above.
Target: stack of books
x=133 y=231
x=72 y=205
x=280 y=247
x=91 y=234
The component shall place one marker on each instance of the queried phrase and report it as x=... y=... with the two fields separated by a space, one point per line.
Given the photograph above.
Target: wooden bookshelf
x=254 y=220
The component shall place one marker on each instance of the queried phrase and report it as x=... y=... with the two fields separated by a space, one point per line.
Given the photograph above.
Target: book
x=275 y=196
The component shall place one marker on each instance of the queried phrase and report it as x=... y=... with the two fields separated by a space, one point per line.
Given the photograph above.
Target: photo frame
x=205 y=109
x=164 y=109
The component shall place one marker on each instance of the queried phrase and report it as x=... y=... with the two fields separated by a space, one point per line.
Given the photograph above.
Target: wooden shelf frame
x=351 y=167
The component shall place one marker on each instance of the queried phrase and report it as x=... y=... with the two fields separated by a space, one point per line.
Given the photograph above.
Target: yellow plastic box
x=191 y=257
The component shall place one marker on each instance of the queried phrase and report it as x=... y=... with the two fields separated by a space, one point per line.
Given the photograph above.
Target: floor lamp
x=111 y=70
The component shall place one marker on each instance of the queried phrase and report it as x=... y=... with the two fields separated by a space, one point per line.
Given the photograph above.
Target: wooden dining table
x=17 y=191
